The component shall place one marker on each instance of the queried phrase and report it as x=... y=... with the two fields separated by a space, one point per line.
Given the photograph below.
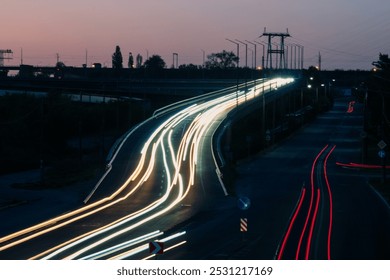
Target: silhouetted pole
x=204 y=55
x=255 y=52
x=238 y=63
x=246 y=64
x=246 y=52
x=262 y=58
x=175 y=55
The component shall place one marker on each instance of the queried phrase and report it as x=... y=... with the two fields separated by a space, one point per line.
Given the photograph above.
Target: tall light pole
x=246 y=52
x=238 y=62
x=204 y=54
x=238 y=51
x=246 y=64
x=290 y=55
x=298 y=54
x=253 y=58
x=262 y=58
x=255 y=51
x=302 y=49
x=177 y=60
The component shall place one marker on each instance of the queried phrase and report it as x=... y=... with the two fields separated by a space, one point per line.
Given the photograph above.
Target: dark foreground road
x=359 y=226
x=302 y=205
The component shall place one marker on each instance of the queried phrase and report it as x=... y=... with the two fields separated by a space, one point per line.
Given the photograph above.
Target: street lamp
x=238 y=51
x=204 y=54
x=238 y=61
x=262 y=58
x=300 y=56
x=177 y=60
x=255 y=52
x=246 y=52
x=246 y=64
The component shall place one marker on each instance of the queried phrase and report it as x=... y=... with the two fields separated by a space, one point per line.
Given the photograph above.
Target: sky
x=349 y=34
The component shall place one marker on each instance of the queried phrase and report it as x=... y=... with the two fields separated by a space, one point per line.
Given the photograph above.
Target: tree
x=117 y=60
x=130 y=63
x=59 y=70
x=383 y=63
x=222 y=60
x=189 y=67
x=378 y=98
x=382 y=73
x=155 y=62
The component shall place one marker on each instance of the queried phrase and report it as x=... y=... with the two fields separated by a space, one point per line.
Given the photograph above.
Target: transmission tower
x=5 y=54
x=278 y=51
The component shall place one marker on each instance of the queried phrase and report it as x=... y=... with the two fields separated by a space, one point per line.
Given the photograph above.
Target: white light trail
x=177 y=187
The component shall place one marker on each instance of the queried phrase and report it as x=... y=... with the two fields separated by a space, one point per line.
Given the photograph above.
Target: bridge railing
x=213 y=94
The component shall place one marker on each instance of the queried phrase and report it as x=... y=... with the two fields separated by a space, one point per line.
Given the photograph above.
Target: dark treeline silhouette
x=375 y=94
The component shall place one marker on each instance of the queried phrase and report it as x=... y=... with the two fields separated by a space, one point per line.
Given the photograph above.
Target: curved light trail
x=178 y=157
x=307 y=213
x=311 y=203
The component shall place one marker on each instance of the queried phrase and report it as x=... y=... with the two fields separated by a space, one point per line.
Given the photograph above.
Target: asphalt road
x=207 y=219
x=274 y=180
x=149 y=187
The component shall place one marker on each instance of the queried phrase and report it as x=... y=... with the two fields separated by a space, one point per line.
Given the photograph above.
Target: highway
x=348 y=219
x=305 y=204
x=163 y=173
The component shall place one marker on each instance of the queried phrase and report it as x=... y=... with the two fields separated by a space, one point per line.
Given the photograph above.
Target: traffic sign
x=382 y=144
x=381 y=153
x=156 y=248
x=243 y=224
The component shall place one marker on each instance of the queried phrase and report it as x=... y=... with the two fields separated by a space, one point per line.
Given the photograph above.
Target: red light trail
x=307 y=212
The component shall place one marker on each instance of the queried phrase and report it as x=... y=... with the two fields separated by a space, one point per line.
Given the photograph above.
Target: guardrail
x=212 y=94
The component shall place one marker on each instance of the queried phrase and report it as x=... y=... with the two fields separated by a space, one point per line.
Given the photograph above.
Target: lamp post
x=262 y=58
x=246 y=52
x=204 y=54
x=246 y=64
x=238 y=63
x=299 y=55
x=238 y=51
x=255 y=51
x=177 y=60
